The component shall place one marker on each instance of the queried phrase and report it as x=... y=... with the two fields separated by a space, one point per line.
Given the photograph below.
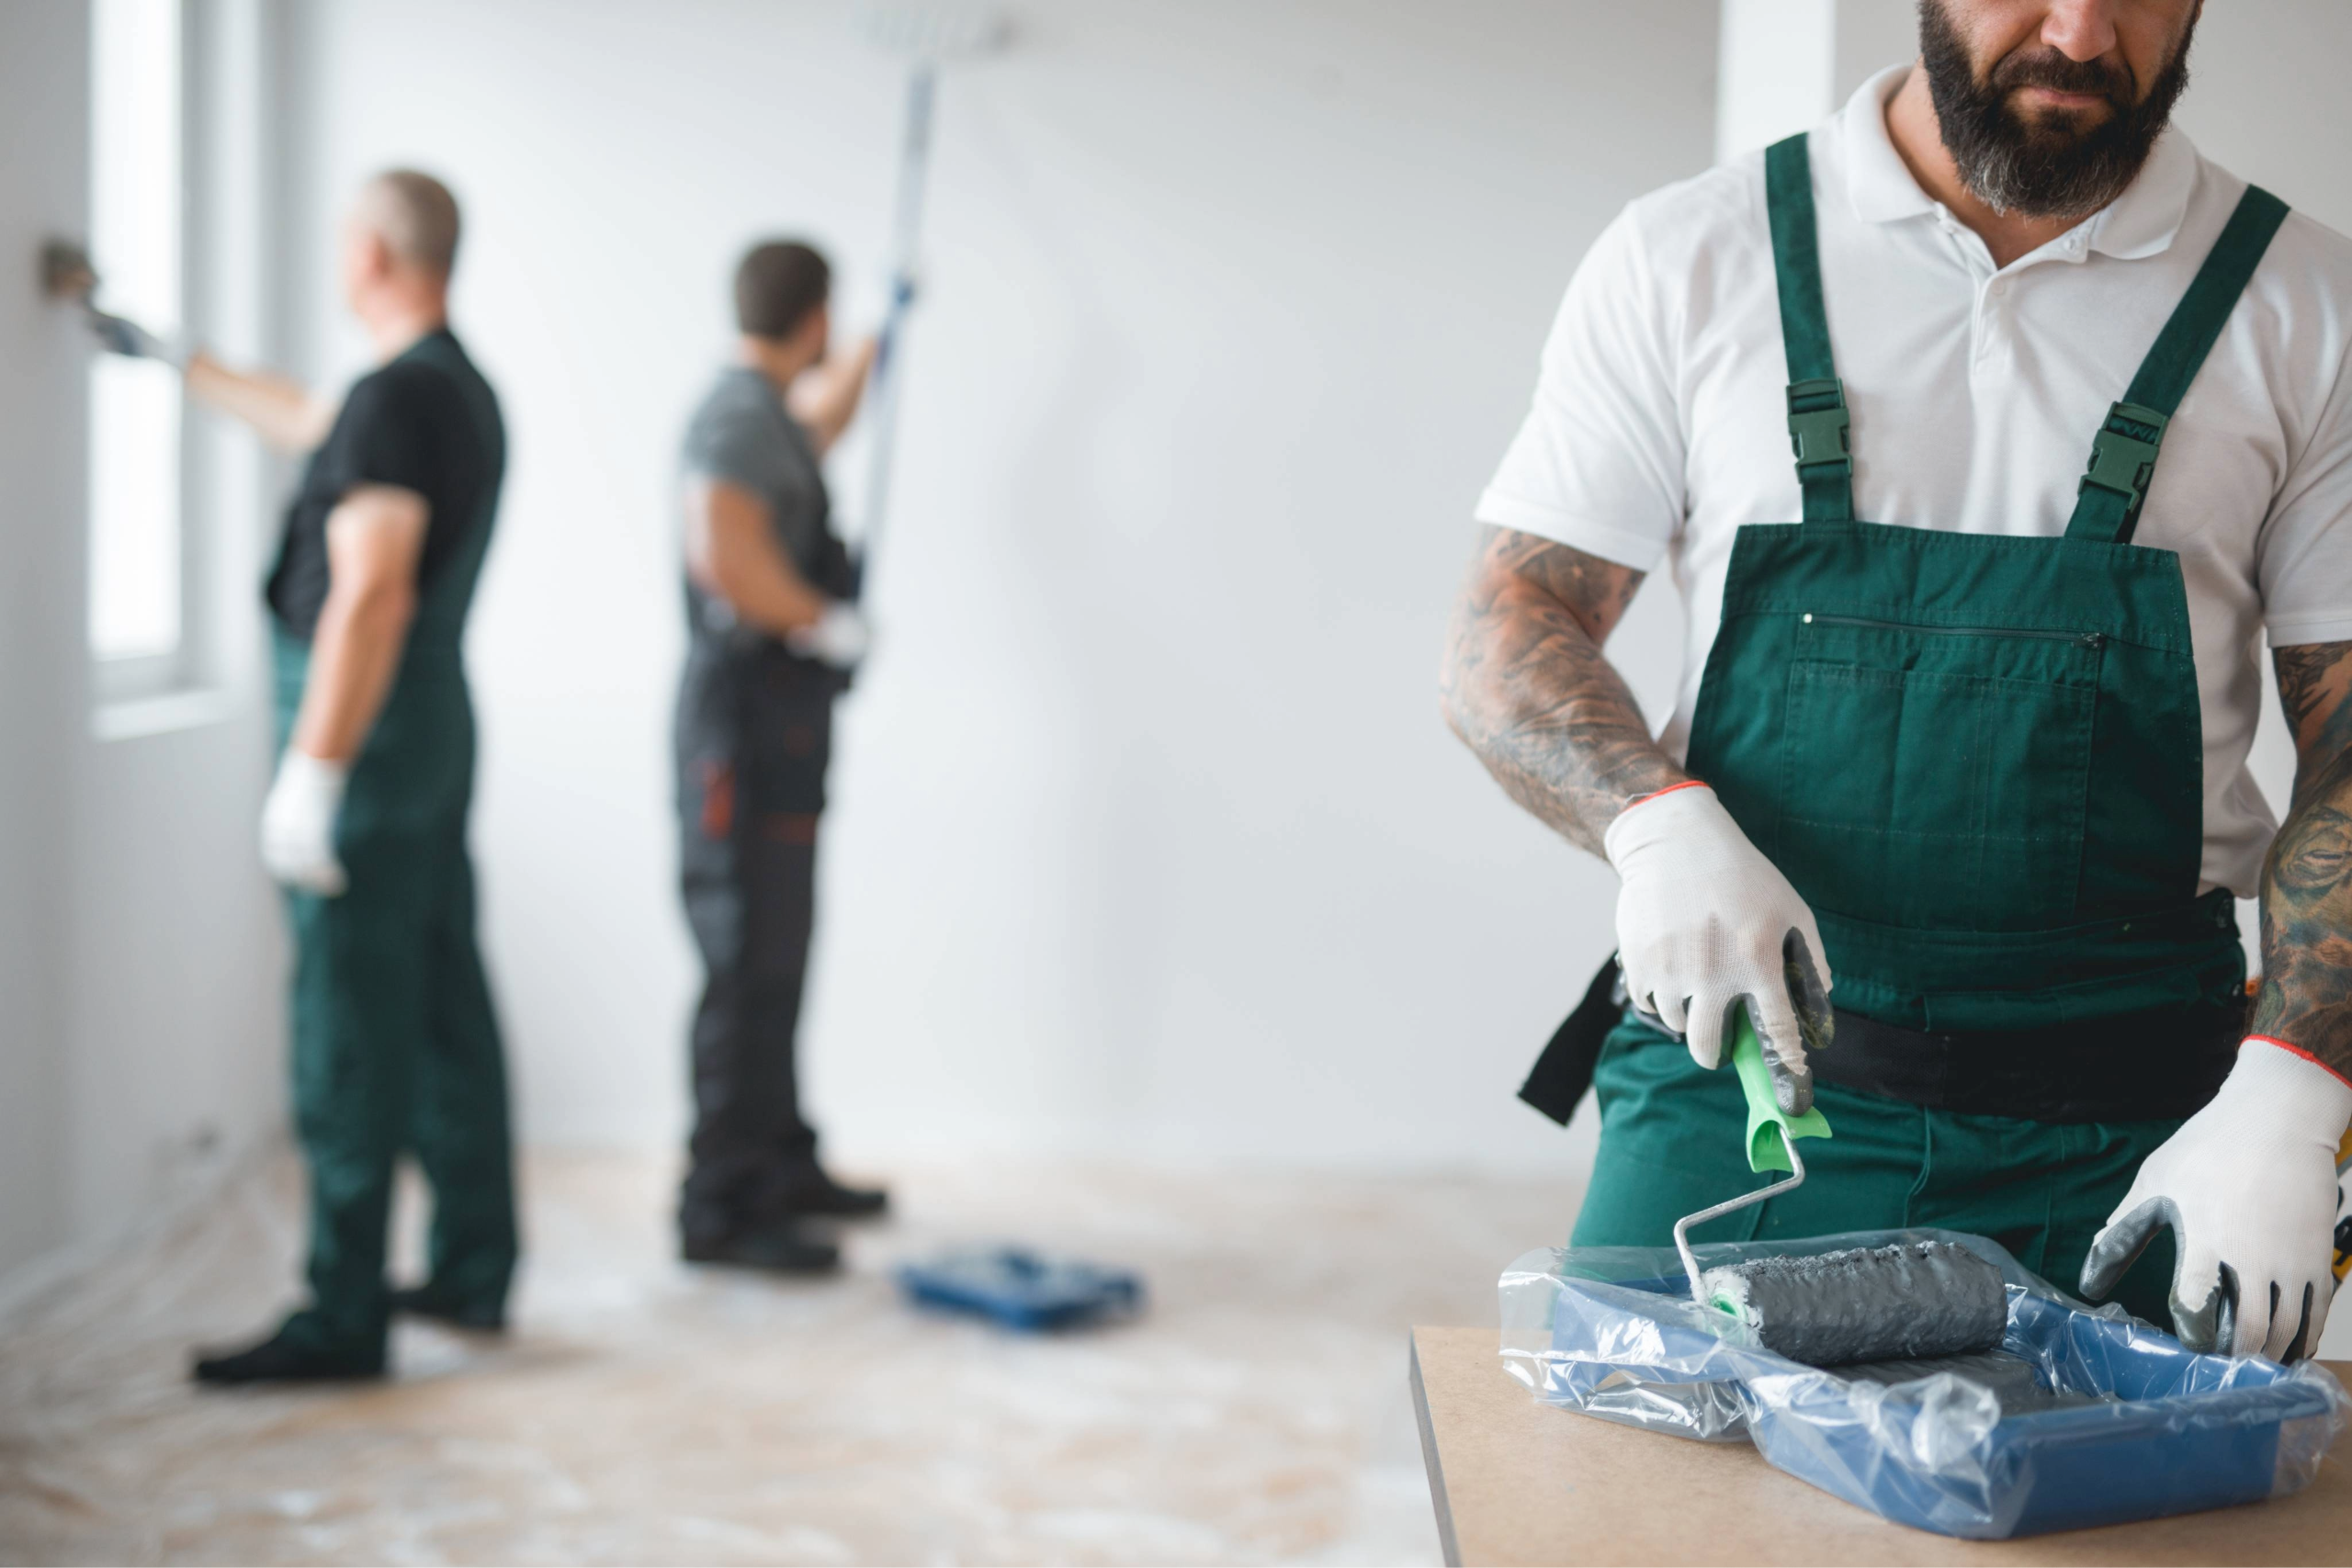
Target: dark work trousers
x=755 y=729
x=396 y=1047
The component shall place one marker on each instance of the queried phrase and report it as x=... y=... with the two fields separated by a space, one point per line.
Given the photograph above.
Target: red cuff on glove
x=2274 y=1040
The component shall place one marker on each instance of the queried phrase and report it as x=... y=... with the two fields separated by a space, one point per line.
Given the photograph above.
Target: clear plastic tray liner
x=2119 y=1423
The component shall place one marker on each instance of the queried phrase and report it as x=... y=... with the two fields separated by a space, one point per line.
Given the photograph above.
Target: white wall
x=1868 y=36
x=139 y=1029
x=1776 y=61
x=1146 y=833
x=177 y=1025
x=42 y=50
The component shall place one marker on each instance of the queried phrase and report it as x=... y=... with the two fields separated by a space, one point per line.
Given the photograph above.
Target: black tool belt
x=2144 y=1067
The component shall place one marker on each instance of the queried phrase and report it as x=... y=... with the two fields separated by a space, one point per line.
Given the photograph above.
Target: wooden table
x=1519 y=1482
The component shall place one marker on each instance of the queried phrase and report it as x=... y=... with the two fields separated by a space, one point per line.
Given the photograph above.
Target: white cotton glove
x=1704 y=923
x=839 y=638
x=297 y=823
x=2248 y=1187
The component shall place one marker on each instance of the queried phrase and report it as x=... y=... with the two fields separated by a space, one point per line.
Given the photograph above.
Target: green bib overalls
x=1979 y=760
x=396 y=1048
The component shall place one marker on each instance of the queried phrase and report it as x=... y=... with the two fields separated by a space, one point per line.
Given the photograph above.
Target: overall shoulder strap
x=2123 y=453
x=1819 y=425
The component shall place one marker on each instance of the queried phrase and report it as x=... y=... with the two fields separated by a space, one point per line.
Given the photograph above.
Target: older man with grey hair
x=396 y=1048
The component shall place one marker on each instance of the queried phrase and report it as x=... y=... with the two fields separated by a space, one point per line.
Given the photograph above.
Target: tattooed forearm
x=1527 y=688
x=2306 y=998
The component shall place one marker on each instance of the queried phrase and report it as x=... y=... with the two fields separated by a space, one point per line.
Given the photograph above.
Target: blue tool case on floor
x=2081 y=1418
x=1020 y=1289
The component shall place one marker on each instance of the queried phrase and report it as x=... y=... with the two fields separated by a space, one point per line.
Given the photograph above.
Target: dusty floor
x=645 y=1412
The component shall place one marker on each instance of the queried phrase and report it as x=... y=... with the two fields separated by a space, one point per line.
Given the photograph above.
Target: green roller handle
x=1767 y=1124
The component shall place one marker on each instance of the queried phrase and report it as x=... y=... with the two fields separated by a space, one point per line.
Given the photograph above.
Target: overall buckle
x=1818 y=424
x=2123 y=453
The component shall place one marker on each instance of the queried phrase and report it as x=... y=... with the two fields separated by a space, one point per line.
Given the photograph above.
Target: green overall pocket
x=1934 y=777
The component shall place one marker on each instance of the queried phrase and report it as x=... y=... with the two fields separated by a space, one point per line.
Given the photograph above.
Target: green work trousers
x=1674 y=1139
x=396 y=1047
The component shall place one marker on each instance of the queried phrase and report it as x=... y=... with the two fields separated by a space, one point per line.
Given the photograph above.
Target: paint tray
x=1019 y=1288
x=2083 y=1418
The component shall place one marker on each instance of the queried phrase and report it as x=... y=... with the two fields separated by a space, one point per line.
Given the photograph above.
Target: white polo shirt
x=1659 y=426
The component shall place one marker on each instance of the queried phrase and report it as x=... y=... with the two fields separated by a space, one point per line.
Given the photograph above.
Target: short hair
x=777 y=284
x=416 y=218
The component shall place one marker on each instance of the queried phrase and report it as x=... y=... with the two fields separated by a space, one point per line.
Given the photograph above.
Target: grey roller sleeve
x=1911 y=1299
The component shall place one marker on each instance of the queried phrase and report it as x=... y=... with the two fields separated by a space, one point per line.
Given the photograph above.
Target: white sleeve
x=1598 y=462
x=2304 y=561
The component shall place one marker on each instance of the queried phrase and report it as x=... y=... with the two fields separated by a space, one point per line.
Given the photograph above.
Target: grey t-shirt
x=741 y=434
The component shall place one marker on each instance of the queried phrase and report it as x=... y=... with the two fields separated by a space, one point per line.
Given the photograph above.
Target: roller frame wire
x=1682 y=1226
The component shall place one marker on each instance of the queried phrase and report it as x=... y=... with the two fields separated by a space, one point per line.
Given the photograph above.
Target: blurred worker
x=395 y=1045
x=773 y=634
x=1980 y=760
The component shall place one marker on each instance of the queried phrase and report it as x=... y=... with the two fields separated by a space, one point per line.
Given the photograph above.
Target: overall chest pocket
x=1936 y=778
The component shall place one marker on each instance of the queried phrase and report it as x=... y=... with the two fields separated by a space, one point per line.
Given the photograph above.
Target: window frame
x=134 y=678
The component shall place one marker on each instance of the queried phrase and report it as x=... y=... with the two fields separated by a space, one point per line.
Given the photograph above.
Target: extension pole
x=890 y=356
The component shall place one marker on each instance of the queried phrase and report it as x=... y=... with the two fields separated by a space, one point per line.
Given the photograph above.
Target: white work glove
x=120 y=334
x=2248 y=1187
x=297 y=823
x=839 y=638
x=1704 y=923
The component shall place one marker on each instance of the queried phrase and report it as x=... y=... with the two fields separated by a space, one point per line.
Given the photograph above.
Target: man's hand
x=839 y=638
x=1706 y=924
x=826 y=397
x=2247 y=1187
x=297 y=824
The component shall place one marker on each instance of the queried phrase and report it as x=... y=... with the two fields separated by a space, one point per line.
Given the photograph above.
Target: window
x=136 y=150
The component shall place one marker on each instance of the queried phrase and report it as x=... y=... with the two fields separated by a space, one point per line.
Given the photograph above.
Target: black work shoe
x=423 y=1301
x=782 y=1248
x=812 y=1193
x=283 y=1357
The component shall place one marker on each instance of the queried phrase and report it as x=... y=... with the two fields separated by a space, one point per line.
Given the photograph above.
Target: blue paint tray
x=1021 y=1289
x=2081 y=1418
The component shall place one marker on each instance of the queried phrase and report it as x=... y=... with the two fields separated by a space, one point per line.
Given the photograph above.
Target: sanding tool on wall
x=1908 y=1300
x=66 y=275
x=68 y=278
x=926 y=37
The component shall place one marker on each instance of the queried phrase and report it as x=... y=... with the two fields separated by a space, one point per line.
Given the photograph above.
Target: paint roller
x=1908 y=1300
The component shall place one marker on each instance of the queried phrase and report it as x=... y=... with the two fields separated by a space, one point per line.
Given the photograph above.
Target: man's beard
x=2045 y=168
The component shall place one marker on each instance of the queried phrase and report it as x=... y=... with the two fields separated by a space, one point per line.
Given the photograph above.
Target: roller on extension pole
x=926 y=37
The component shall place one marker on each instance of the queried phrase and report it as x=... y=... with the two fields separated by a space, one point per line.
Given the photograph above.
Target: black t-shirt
x=426 y=422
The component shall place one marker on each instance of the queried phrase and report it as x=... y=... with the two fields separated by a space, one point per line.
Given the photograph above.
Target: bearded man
x=1953 y=805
